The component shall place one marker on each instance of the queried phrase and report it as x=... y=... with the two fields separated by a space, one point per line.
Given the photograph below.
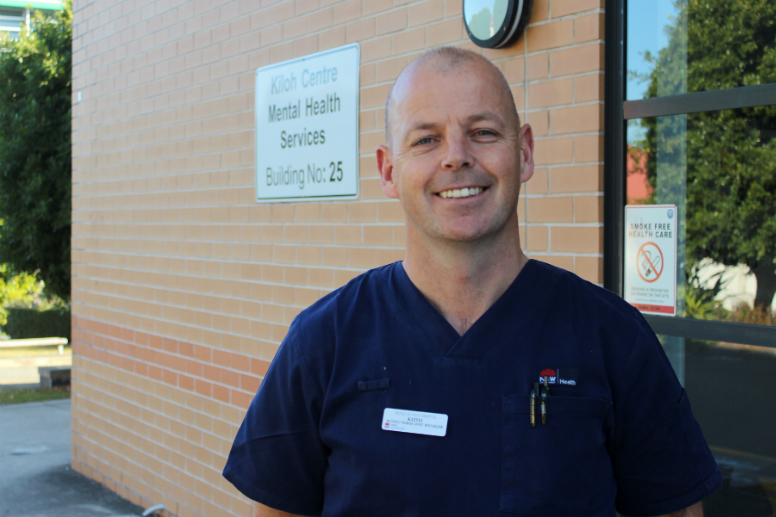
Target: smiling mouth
x=461 y=192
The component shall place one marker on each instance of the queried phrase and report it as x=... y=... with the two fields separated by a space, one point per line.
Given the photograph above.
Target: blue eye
x=485 y=132
x=424 y=141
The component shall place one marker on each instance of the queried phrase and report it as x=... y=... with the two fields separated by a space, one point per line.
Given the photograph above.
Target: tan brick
x=426 y=12
x=378 y=48
x=514 y=70
x=538 y=66
x=362 y=212
x=550 y=210
x=550 y=35
x=391 y=22
x=566 y=7
x=518 y=94
x=540 y=11
x=588 y=148
x=334 y=213
x=590 y=268
x=347 y=11
x=305 y=46
x=305 y=6
x=550 y=93
x=367 y=75
x=363 y=258
x=374 y=97
x=335 y=257
x=369 y=141
x=540 y=122
x=588 y=209
x=537 y=239
x=390 y=69
x=589 y=28
x=453 y=8
x=589 y=88
x=333 y=38
x=366 y=120
x=360 y=30
x=321 y=20
x=409 y=41
x=577 y=119
x=576 y=239
x=378 y=236
x=345 y=235
x=444 y=33
x=580 y=178
x=375 y=6
x=294 y=28
x=548 y=151
x=587 y=58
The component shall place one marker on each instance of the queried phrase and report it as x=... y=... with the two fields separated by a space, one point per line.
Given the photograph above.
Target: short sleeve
x=277 y=457
x=660 y=458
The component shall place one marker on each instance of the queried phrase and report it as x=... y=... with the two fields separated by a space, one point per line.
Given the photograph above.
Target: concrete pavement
x=35 y=475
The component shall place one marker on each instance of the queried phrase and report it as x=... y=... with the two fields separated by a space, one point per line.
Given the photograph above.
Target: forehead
x=467 y=89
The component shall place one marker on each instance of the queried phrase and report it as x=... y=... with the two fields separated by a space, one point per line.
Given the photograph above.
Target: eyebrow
x=477 y=117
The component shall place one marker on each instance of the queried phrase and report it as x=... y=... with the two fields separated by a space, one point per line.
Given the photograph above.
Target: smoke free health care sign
x=307 y=127
x=650 y=258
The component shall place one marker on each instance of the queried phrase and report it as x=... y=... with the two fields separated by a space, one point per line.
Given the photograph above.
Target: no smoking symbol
x=649 y=262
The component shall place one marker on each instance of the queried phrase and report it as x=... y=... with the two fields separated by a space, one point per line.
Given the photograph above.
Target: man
x=468 y=380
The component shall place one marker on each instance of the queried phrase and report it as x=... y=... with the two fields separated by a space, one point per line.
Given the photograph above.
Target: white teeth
x=464 y=192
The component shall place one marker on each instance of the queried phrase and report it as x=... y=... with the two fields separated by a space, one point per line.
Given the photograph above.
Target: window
x=11 y=21
x=691 y=122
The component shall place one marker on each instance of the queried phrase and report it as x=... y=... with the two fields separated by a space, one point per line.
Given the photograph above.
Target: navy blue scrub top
x=619 y=433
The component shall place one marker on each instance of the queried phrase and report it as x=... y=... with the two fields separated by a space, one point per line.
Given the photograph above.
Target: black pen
x=545 y=393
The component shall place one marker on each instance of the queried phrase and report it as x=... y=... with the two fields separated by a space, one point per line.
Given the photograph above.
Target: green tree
x=730 y=155
x=35 y=168
x=16 y=289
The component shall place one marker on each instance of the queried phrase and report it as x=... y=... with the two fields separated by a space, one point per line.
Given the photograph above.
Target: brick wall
x=183 y=286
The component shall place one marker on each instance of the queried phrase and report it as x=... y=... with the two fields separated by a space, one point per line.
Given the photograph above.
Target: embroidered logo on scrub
x=566 y=376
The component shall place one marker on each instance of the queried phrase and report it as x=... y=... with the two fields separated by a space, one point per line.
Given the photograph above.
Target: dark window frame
x=617 y=112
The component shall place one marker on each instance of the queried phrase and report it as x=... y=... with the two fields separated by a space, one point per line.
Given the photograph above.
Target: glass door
x=695 y=128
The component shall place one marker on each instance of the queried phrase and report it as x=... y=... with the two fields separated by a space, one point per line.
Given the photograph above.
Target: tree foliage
x=35 y=167
x=729 y=157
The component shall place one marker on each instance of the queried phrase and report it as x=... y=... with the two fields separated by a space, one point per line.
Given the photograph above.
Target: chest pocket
x=553 y=469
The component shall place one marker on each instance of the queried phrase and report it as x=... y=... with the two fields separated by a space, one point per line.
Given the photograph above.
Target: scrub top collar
x=517 y=300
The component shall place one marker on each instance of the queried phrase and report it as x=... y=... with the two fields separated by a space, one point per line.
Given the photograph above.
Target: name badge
x=415 y=422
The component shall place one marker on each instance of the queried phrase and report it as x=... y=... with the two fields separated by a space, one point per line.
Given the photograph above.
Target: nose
x=458 y=154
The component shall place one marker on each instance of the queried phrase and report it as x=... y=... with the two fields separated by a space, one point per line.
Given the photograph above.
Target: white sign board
x=650 y=258
x=307 y=127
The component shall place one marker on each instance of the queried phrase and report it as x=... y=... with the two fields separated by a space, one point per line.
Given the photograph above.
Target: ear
x=387 y=173
x=526 y=153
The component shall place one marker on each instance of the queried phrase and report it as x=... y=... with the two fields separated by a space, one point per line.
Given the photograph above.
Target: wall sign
x=650 y=258
x=307 y=127
x=496 y=23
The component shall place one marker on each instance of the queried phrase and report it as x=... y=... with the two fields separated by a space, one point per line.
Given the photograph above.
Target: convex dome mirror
x=496 y=23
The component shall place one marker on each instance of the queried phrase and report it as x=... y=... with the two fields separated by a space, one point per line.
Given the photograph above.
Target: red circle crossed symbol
x=649 y=262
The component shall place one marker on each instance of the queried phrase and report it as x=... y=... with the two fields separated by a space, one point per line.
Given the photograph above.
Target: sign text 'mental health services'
x=650 y=258
x=307 y=127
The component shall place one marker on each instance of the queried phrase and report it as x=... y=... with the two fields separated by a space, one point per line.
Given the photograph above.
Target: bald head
x=445 y=61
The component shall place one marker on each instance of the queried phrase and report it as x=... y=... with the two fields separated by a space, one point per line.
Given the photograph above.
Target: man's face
x=456 y=153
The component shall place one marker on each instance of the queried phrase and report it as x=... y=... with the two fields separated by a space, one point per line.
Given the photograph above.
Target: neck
x=463 y=280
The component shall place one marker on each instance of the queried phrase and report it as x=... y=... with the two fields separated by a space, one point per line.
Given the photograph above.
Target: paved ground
x=35 y=475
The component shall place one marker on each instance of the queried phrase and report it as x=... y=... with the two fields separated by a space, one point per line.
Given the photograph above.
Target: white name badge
x=416 y=422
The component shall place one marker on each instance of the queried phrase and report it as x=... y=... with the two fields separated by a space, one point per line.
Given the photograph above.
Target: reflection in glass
x=731 y=389
x=686 y=46
x=719 y=168
x=484 y=17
